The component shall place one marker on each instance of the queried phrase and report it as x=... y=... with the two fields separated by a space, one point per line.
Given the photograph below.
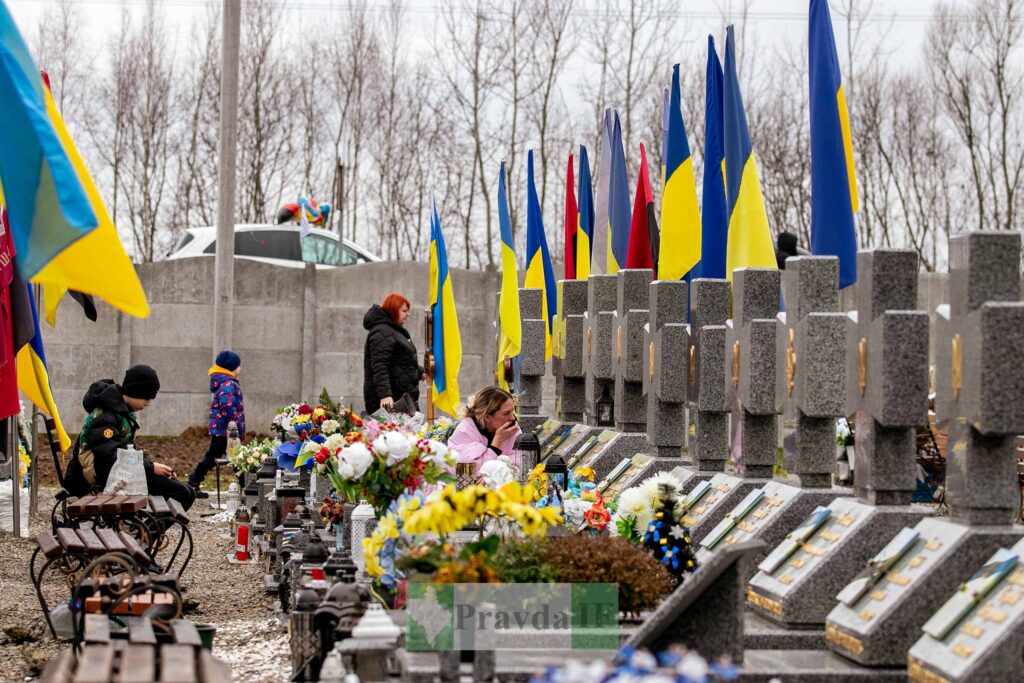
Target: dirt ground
x=231 y=597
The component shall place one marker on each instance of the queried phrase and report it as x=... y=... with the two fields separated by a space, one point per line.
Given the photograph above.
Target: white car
x=278 y=245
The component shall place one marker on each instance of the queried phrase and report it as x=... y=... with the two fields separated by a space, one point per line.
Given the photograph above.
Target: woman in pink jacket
x=489 y=428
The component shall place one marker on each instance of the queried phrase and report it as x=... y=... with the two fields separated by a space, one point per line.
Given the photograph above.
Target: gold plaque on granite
x=786 y=579
x=916 y=562
x=829 y=536
x=866 y=614
x=1009 y=597
x=918 y=674
x=812 y=549
x=842 y=640
x=846 y=519
x=797 y=563
x=990 y=613
x=933 y=544
x=1017 y=577
x=746 y=526
x=763 y=603
x=760 y=513
x=878 y=595
x=961 y=650
x=898 y=579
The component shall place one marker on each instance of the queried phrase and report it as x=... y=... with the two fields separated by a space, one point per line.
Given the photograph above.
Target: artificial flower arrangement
x=844 y=432
x=303 y=420
x=378 y=463
x=635 y=507
x=675 y=665
x=248 y=457
x=332 y=511
x=583 y=506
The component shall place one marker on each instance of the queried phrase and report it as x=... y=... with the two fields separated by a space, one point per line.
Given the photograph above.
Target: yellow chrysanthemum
x=584 y=472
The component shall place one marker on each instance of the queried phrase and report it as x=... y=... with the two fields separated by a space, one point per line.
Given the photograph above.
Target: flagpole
x=15 y=463
x=428 y=359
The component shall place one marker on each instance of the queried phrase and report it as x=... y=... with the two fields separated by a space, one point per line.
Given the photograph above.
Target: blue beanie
x=228 y=360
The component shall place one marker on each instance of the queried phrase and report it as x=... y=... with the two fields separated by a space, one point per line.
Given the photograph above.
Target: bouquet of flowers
x=844 y=432
x=635 y=507
x=248 y=457
x=379 y=471
x=303 y=420
x=332 y=511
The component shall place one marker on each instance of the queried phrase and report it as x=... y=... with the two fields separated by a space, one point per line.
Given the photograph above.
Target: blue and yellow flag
x=619 y=211
x=714 y=211
x=750 y=238
x=833 y=181
x=680 y=217
x=48 y=208
x=539 y=273
x=116 y=282
x=600 y=245
x=30 y=361
x=510 y=327
x=447 y=348
x=584 y=234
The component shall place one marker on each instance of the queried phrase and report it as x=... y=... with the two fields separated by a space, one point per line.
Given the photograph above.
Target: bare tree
x=60 y=49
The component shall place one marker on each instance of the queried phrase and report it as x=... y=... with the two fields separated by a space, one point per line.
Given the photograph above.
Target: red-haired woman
x=391 y=369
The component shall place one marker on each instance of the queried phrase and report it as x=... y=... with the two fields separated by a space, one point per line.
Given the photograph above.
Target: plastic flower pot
x=206 y=634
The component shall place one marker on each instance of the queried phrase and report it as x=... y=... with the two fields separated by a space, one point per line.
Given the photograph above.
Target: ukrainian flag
x=833 y=181
x=47 y=206
x=680 y=217
x=30 y=363
x=714 y=212
x=116 y=282
x=447 y=348
x=510 y=330
x=586 y=218
x=539 y=273
x=750 y=239
x=618 y=203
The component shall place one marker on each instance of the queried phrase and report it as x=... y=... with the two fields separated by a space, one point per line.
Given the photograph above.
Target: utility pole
x=224 y=268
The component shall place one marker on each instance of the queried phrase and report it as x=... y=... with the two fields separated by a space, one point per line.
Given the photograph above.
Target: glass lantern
x=527 y=449
x=605 y=406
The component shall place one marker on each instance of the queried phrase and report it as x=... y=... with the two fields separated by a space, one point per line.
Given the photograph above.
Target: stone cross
x=632 y=302
x=569 y=342
x=980 y=375
x=706 y=393
x=600 y=321
x=531 y=355
x=812 y=363
x=667 y=367
x=887 y=363
x=752 y=367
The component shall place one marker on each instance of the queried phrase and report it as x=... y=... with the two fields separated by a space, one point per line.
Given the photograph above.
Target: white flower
x=354 y=460
x=334 y=442
x=395 y=445
x=329 y=427
x=635 y=503
x=653 y=485
x=495 y=474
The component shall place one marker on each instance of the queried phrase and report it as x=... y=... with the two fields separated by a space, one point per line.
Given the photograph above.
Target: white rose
x=398 y=446
x=440 y=454
x=358 y=457
x=495 y=474
x=334 y=442
x=329 y=426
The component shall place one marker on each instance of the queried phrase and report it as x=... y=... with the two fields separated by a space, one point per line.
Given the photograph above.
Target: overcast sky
x=773 y=24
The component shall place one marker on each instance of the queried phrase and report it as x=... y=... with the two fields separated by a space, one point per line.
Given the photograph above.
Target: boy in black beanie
x=111 y=424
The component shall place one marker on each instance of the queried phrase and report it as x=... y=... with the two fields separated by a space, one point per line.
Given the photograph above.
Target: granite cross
x=632 y=301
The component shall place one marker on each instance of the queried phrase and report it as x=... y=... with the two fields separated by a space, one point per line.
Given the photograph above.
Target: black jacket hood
x=105 y=394
x=378 y=316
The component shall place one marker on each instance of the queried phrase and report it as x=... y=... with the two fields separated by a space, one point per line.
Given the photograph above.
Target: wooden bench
x=139 y=660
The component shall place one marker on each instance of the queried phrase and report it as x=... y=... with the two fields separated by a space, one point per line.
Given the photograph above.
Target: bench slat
x=59 y=669
x=92 y=542
x=69 y=539
x=112 y=504
x=97 y=628
x=178 y=511
x=158 y=506
x=78 y=507
x=111 y=541
x=95 y=664
x=134 y=503
x=185 y=633
x=140 y=632
x=138 y=663
x=135 y=549
x=94 y=505
x=48 y=545
x=211 y=669
x=177 y=664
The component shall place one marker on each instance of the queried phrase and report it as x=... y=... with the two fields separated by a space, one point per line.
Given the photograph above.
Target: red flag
x=8 y=377
x=643 y=231
x=572 y=221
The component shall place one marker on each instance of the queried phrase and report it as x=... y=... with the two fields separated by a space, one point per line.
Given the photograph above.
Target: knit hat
x=140 y=381
x=228 y=360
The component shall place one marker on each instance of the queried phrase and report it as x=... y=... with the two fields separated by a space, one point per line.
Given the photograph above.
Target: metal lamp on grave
x=605 y=409
x=311 y=570
x=527 y=449
x=340 y=568
x=557 y=472
x=304 y=637
x=373 y=640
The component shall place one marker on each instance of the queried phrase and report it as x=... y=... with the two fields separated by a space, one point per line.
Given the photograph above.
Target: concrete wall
x=296 y=331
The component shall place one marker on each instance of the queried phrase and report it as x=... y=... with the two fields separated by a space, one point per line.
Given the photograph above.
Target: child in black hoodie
x=111 y=424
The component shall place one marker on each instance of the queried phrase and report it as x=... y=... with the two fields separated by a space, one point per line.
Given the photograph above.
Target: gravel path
x=228 y=596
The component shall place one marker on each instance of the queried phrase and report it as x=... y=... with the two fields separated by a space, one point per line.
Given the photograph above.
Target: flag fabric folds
x=585 y=231
x=447 y=348
x=539 y=273
x=833 y=181
x=510 y=328
x=572 y=222
x=714 y=212
x=47 y=206
x=643 y=230
x=750 y=239
x=680 y=217
x=618 y=203
x=602 y=226
x=116 y=282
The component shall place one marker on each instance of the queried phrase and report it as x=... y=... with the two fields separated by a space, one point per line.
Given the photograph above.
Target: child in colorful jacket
x=225 y=406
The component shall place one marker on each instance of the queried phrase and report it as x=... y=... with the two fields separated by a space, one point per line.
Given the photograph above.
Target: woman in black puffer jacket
x=390 y=366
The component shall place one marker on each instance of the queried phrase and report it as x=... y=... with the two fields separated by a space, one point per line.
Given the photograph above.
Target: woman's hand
x=387 y=403
x=504 y=432
x=162 y=470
